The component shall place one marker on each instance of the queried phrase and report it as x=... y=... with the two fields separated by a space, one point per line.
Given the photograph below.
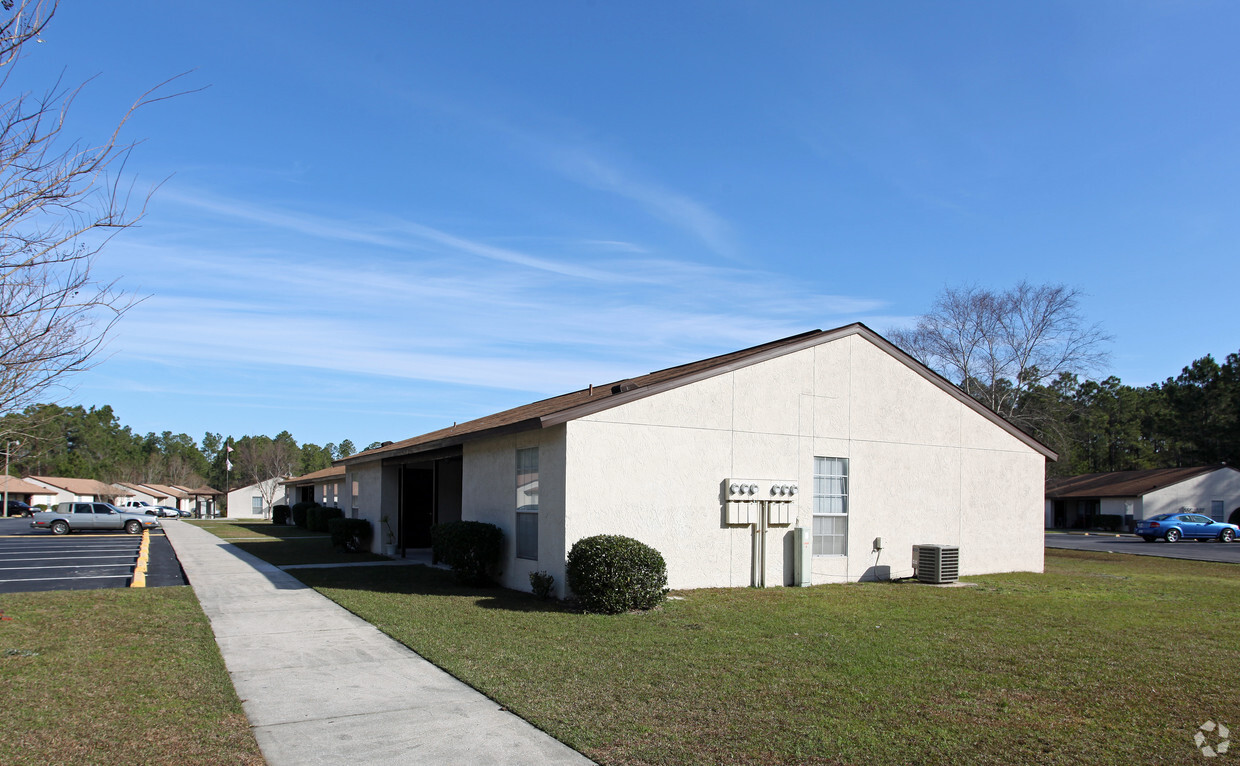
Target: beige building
x=64 y=489
x=717 y=463
x=327 y=487
x=1210 y=490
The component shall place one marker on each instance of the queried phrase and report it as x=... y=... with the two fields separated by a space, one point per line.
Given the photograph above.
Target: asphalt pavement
x=36 y=560
x=1101 y=542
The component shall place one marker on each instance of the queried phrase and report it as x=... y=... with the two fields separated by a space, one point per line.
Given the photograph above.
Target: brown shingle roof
x=169 y=491
x=16 y=486
x=1124 y=483
x=587 y=401
x=146 y=489
x=81 y=486
x=198 y=491
x=335 y=472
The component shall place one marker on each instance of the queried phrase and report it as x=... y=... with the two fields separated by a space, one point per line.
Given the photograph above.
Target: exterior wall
x=241 y=501
x=489 y=490
x=923 y=468
x=56 y=494
x=372 y=501
x=1196 y=493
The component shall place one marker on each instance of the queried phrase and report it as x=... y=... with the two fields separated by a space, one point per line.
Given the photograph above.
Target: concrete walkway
x=322 y=686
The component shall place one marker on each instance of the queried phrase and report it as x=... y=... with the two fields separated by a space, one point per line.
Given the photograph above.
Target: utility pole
x=8 y=447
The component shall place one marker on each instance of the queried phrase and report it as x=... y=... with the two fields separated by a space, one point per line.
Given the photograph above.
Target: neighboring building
x=27 y=492
x=882 y=453
x=248 y=503
x=145 y=494
x=173 y=497
x=87 y=490
x=201 y=500
x=1211 y=490
x=326 y=487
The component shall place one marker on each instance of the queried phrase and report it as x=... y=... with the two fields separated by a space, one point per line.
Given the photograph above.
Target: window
x=256 y=504
x=1216 y=510
x=830 y=506
x=527 y=503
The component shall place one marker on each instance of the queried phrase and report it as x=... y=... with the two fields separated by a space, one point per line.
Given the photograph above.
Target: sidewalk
x=322 y=686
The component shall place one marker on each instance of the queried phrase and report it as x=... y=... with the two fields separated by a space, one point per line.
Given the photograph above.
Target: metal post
x=8 y=447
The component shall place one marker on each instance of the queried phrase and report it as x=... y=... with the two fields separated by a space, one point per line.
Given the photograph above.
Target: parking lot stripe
x=73 y=566
x=85 y=577
x=58 y=558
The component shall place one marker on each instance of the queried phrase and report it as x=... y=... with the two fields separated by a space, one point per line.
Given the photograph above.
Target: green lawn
x=1067 y=667
x=116 y=676
x=282 y=544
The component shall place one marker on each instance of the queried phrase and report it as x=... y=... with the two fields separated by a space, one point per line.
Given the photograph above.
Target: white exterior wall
x=1196 y=493
x=923 y=468
x=489 y=493
x=241 y=501
x=1121 y=506
x=56 y=495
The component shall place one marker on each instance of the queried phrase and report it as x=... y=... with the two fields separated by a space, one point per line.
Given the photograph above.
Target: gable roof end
x=594 y=399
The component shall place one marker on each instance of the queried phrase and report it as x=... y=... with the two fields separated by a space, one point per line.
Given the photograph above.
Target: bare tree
x=60 y=202
x=1000 y=346
x=264 y=461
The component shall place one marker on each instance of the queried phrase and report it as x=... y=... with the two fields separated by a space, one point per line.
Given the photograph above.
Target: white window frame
x=256 y=508
x=526 y=511
x=829 y=471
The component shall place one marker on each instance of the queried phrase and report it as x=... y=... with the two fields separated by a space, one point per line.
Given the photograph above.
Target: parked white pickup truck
x=74 y=517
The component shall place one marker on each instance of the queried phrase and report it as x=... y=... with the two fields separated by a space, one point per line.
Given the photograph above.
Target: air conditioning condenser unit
x=936 y=564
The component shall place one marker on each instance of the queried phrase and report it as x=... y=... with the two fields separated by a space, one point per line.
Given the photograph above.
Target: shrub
x=471 y=548
x=542 y=583
x=350 y=534
x=612 y=574
x=1108 y=521
x=318 y=516
x=279 y=514
x=300 y=511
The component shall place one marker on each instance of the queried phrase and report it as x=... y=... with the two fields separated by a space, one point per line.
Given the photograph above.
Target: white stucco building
x=1211 y=490
x=249 y=502
x=883 y=454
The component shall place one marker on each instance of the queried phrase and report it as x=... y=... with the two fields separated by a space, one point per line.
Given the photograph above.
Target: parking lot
x=33 y=560
x=1227 y=553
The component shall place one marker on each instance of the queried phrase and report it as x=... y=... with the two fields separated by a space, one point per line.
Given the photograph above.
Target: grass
x=282 y=544
x=1104 y=659
x=117 y=676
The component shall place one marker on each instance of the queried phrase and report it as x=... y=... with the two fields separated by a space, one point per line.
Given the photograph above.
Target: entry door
x=417 y=508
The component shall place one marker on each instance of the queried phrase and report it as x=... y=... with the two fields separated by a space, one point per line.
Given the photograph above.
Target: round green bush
x=612 y=574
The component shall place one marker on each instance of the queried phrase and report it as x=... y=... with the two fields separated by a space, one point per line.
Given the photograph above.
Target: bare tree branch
x=60 y=204
x=1001 y=346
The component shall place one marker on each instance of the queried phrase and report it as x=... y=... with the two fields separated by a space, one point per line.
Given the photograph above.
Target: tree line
x=1028 y=354
x=91 y=443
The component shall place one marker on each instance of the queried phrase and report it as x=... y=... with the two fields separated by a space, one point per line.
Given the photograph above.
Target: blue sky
x=377 y=222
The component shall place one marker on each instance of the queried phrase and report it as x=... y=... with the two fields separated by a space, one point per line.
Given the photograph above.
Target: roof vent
x=624 y=385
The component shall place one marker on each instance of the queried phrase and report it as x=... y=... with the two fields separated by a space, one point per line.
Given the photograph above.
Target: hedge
x=350 y=534
x=318 y=516
x=300 y=511
x=471 y=548
x=280 y=514
x=612 y=574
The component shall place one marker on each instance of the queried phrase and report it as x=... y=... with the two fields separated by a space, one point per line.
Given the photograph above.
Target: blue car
x=1173 y=526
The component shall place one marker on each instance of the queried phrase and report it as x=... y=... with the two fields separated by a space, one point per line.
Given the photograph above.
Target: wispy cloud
x=590 y=168
x=392 y=234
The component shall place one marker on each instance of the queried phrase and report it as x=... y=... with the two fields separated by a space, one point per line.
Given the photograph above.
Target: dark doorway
x=417 y=507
